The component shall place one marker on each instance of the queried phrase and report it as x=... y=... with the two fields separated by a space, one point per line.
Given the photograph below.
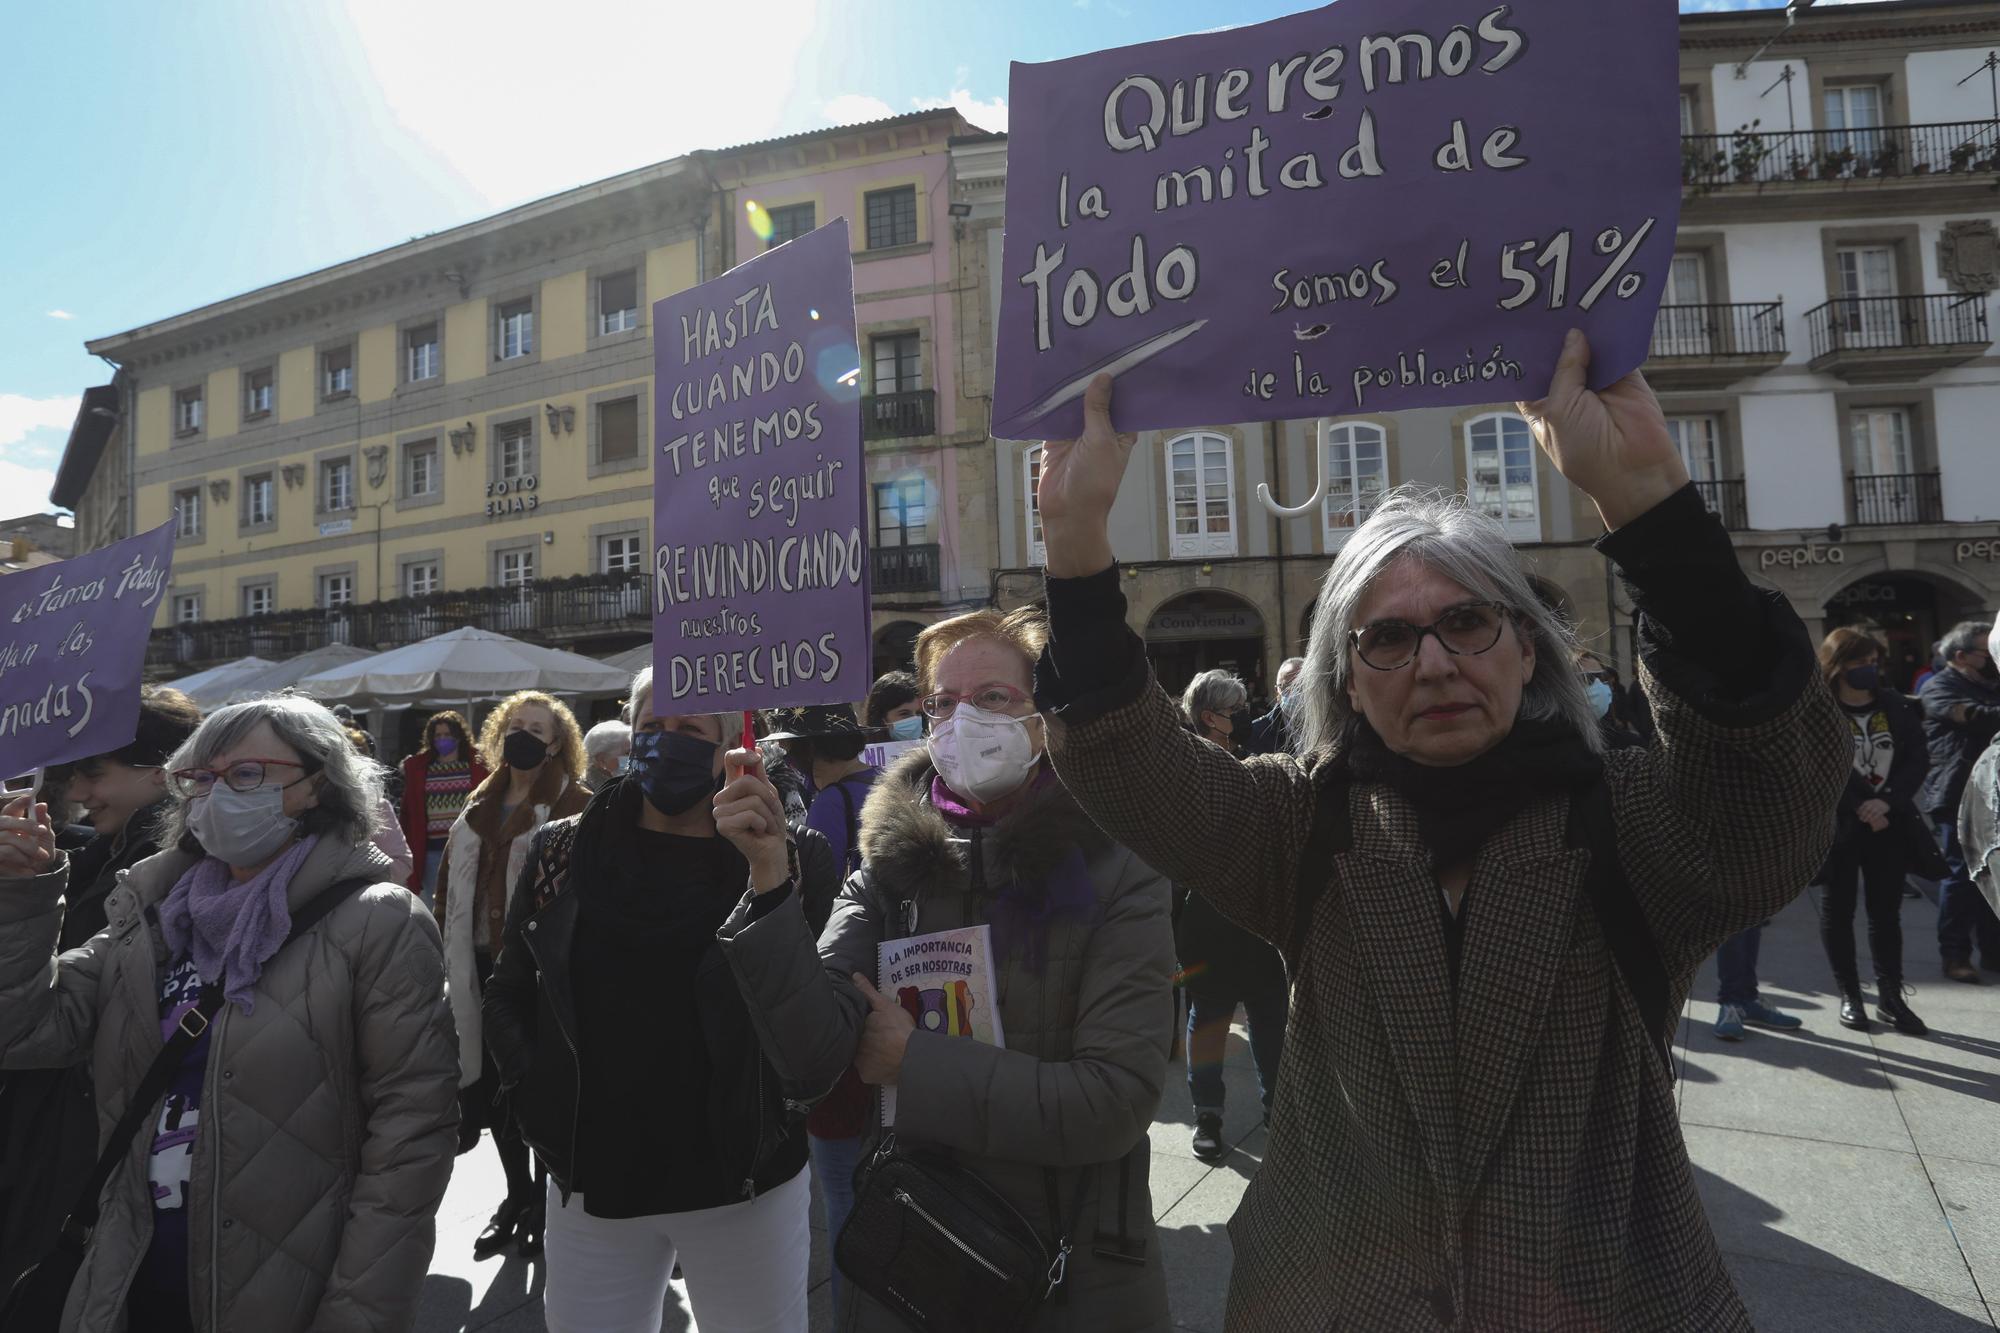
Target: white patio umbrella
x=632 y=661
x=228 y=673
x=463 y=664
x=279 y=676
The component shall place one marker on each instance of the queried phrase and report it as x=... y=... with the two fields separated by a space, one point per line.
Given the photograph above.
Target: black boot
x=1854 y=1010
x=500 y=1231
x=530 y=1232
x=1891 y=1009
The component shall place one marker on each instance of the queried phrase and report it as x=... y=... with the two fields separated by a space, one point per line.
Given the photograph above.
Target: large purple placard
x=1377 y=205
x=72 y=643
x=760 y=569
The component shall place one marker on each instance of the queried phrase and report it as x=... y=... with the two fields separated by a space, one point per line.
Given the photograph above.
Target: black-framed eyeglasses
x=1465 y=630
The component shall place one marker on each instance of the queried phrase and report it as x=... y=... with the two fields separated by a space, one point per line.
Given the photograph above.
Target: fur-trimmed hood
x=908 y=844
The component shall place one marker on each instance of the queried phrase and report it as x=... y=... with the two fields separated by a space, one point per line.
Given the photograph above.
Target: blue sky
x=166 y=156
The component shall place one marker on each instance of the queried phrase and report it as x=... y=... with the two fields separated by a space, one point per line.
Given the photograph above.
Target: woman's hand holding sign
x=750 y=813
x=1080 y=480
x=1612 y=444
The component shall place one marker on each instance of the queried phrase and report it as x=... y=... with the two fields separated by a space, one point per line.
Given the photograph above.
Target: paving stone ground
x=1853 y=1179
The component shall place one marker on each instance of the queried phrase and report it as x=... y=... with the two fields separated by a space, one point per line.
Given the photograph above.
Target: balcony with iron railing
x=1753 y=157
x=1901 y=497
x=1725 y=499
x=899 y=416
x=547 y=611
x=906 y=569
x=1713 y=346
x=1876 y=338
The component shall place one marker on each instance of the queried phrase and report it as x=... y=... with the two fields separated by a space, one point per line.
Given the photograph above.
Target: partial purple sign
x=760 y=569
x=1377 y=205
x=72 y=644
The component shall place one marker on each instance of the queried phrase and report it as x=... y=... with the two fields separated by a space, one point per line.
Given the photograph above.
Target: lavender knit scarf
x=232 y=929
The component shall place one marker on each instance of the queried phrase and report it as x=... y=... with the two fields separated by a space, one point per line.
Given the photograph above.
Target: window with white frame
x=515 y=569
x=1868 y=273
x=1698 y=441
x=421 y=360
x=336 y=485
x=336 y=589
x=187 y=412
x=260 y=500
x=257 y=392
x=1687 y=112
x=1853 y=117
x=1201 y=476
x=187 y=608
x=187 y=512
x=1357 y=473
x=515 y=336
x=1878 y=442
x=1031 y=483
x=1500 y=472
x=620 y=554
x=257 y=599
x=420 y=577
x=618 y=302
x=420 y=469
x=336 y=369
x=514 y=450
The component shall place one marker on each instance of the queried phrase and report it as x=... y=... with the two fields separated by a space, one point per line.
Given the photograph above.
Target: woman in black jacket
x=1877 y=828
x=628 y=1055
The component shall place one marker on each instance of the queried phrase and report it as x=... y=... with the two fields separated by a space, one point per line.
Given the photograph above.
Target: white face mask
x=983 y=756
x=242 y=828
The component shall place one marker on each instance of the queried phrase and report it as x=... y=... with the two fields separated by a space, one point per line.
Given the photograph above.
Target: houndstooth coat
x=1513 y=1161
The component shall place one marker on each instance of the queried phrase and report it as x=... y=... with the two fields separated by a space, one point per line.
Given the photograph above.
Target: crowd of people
x=1459 y=878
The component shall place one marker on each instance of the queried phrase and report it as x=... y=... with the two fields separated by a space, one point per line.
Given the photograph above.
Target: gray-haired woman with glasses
x=289 y=1177
x=1489 y=923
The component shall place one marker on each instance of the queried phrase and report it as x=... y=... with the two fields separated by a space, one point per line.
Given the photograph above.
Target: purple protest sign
x=760 y=591
x=1377 y=205
x=72 y=642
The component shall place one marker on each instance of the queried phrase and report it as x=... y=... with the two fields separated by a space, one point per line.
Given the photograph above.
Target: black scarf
x=1460 y=807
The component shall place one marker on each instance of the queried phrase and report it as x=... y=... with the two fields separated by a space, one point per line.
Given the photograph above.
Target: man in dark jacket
x=48 y=1127
x=1961 y=714
x=1272 y=733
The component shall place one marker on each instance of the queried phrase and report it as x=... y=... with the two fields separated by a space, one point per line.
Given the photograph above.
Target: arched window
x=1201 y=495
x=1500 y=472
x=1357 y=472
x=1031 y=481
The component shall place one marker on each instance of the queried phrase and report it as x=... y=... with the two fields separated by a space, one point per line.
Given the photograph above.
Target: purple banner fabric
x=1377 y=205
x=760 y=568
x=72 y=643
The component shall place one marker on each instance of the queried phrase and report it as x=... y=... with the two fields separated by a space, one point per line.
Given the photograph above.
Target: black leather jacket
x=755 y=1120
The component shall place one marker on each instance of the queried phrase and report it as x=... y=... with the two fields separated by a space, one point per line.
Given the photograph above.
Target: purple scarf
x=1019 y=913
x=232 y=929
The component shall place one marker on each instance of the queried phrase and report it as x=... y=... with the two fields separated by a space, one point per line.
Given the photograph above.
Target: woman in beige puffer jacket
x=327 y=1108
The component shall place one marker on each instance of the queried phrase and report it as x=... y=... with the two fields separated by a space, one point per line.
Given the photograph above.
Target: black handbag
x=35 y=1303
x=940 y=1248
x=1926 y=861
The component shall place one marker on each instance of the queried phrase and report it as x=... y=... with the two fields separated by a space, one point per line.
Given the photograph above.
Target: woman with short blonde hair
x=534 y=747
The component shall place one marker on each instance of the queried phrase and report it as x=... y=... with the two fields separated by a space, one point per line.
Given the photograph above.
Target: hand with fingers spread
x=883 y=1037
x=1080 y=480
x=750 y=813
x=1611 y=443
x=27 y=838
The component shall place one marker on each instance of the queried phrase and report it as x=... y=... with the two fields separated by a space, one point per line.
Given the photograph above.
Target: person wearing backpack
x=1490 y=921
x=629 y=1063
x=264 y=1012
x=825 y=743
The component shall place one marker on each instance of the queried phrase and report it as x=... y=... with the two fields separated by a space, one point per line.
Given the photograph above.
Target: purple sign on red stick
x=72 y=643
x=760 y=589
x=1377 y=205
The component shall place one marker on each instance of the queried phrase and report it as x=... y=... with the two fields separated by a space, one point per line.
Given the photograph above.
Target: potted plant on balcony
x=1836 y=163
x=1888 y=155
x=1747 y=152
x=1961 y=156
x=1801 y=168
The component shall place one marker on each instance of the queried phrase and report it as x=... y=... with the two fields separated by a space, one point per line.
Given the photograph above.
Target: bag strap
x=1066 y=1237
x=1634 y=950
x=77 y=1227
x=1331 y=834
x=853 y=828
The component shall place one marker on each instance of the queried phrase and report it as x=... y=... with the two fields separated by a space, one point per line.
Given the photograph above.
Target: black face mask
x=1862 y=677
x=523 y=749
x=674 y=770
x=1240 y=723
